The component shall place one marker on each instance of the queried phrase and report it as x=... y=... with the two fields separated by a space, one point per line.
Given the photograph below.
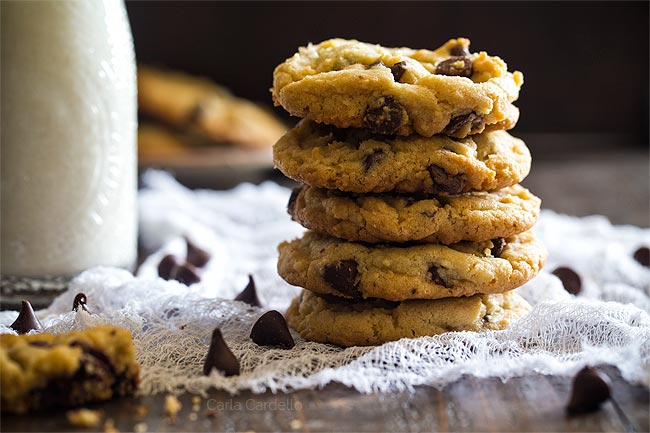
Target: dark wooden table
x=612 y=184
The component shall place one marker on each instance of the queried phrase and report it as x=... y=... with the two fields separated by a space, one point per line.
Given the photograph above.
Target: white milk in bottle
x=68 y=142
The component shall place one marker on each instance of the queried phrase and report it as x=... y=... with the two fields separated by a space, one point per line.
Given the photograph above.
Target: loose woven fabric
x=608 y=323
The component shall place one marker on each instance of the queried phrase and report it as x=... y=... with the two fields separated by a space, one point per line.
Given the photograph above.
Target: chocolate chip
x=195 y=114
x=589 y=390
x=291 y=206
x=26 y=320
x=445 y=182
x=384 y=116
x=642 y=255
x=342 y=276
x=39 y=343
x=498 y=245
x=165 y=267
x=80 y=301
x=185 y=273
x=220 y=357
x=271 y=330
x=465 y=124
x=570 y=279
x=398 y=70
x=375 y=63
x=373 y=158
x=434 y=271
x=460 y=66
x=195 y=255
x=458 y=50
x=249 y=294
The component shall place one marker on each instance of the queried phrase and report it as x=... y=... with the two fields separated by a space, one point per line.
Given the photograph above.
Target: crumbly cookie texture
x=200 y=105
x=44 y=370
x=351 y=323
x=347 y=83
x=396 y=272
x=477 y=216
x=355 y=160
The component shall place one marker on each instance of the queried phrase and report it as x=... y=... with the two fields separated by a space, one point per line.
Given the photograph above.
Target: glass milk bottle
x=68 y=143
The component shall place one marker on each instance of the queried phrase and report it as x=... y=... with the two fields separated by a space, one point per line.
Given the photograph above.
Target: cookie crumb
x=109 y=426
x=140 y=427
x=84 y=417
x=172 y=407
x=296 y=424
x=141 y=411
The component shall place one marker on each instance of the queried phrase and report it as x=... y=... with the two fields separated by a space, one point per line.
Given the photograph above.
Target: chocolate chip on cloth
x=570 y=279
x=166 y=265
x=185 y=273
x=220 y=356
x=249 y=294
x=271 y=329
x=642 y=255
x=590 y=389
x=195 y=255
x=80 y=300
x=26 y=320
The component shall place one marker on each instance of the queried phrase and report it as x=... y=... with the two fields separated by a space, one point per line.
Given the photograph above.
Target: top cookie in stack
x=418 y=224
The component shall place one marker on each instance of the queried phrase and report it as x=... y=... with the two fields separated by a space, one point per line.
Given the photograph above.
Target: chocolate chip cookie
x=201 y=106
x=388 y=217
x=347 y=83
x=396 y=272
x=47 y=370
x=355 y=160
x=328 y=319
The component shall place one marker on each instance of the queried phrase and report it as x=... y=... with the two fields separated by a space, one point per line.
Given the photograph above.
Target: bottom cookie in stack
x=330 y=319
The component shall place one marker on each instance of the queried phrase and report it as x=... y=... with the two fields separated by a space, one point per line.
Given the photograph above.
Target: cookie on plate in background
x=198 y=105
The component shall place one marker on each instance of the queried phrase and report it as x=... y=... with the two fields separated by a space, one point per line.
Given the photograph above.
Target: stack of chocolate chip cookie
x=417 y=224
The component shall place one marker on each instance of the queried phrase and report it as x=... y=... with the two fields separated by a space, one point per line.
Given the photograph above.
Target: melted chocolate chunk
x=166 y=266
x=458 y=50
x=570 y=279
x=590 y=389
x=291 y=206
x=373 y=158
x=465 y=124
x=195 y=255
x=460 y=66
x=26 y=320
x=398 y=70
x=186 y=274
x=342 y=277
x=271 y=330
x=195 y=114
x=220 y=357
x=384 y=116
x=249 y=294
x=642 y=255
x=436 y=277
x=445 y=182
x=80 y=301
x=498 y=245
